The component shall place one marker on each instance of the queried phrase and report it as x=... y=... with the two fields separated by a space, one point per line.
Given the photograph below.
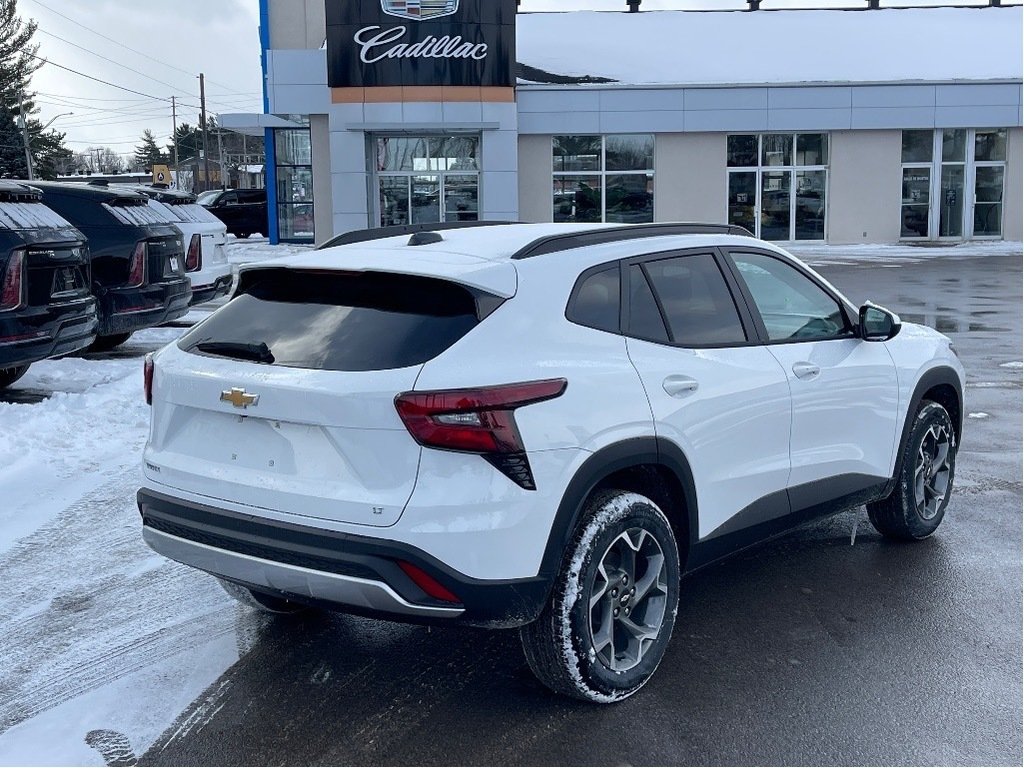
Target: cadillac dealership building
x=872 y=126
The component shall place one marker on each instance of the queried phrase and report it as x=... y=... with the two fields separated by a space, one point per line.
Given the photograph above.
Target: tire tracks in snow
x=87 y=603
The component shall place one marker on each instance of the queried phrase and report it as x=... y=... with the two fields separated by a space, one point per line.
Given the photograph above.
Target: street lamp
x=28 y=141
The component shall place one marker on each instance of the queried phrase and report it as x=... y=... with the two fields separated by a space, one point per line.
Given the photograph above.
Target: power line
x=116 y=63
x=119 y=43
x=96 y=79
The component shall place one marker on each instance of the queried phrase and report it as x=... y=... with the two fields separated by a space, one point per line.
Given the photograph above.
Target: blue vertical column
x=269 y=150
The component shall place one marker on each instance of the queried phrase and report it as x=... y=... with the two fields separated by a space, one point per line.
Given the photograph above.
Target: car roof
x=87 y=191
x=157 y=193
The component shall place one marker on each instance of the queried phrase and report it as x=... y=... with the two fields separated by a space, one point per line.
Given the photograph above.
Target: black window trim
x=852 y=323
x=750 y=328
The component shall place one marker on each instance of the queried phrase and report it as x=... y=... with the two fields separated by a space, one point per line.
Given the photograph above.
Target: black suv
x=138 y=260
x=244 y=211
x=46 y=309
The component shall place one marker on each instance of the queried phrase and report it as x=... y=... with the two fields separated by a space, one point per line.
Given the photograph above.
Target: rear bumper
x=126 y=310
x=38 y=333
x=204 y=293
x=354 y=574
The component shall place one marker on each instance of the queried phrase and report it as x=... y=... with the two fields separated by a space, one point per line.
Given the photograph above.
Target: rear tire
x=107 y=343
x=917 y=504
x=10 y=375
x=261 y=602
x=610 y=617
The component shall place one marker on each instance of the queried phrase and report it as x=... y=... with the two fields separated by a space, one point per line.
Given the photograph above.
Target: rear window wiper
x=259 y=353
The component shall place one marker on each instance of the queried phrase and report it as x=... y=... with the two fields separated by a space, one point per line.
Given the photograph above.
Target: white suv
x=203 y=235
x=541 y=426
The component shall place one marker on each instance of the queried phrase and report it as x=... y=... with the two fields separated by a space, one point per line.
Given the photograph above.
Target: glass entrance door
x=427 y=179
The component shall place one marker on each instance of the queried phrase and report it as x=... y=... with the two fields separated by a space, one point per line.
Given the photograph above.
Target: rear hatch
x=165 y=249
x=193 y=217
x=284 y=398
x=55 y=252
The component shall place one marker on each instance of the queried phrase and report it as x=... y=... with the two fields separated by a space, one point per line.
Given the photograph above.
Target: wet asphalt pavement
x=807 y=650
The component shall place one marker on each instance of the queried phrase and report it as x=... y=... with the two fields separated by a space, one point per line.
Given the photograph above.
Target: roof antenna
x=634 y=5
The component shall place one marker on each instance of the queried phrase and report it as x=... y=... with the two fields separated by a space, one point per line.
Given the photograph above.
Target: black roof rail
x=570 y=240
x=366 y=235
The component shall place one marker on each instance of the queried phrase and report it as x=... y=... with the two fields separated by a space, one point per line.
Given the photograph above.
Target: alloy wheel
x=931 y=473
x=628 y=598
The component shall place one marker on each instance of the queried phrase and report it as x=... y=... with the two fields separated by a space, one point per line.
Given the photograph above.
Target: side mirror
x=878 y=323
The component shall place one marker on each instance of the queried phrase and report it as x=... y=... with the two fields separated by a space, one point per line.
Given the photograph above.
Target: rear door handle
x=679 y=386
x=805 y=370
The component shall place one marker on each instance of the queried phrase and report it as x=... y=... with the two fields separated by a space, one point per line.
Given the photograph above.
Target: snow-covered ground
x=85 y=671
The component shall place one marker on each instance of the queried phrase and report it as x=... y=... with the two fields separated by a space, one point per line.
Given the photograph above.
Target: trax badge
x=238 y=397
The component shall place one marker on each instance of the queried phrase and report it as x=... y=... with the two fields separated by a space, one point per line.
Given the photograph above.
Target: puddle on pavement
x=951 y=324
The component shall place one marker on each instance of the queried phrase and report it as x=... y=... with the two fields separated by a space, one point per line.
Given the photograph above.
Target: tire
x=261 y=602
x=917 y=504
x=107 y=343
x=567 y=647
x=10 y=375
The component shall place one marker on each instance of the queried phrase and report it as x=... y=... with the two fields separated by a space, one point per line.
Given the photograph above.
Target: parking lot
x=827 y=646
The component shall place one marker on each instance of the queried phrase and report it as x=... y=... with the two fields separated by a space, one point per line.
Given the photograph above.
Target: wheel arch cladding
x=940 y=385
x=652 y=467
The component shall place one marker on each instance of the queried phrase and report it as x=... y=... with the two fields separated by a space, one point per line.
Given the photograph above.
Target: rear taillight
x=147 y=378
x=12 y=289
x=137 y=266
x=194 y=257
x=478 y=421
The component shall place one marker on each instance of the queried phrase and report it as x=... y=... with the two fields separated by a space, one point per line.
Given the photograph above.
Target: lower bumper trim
x=290 y=579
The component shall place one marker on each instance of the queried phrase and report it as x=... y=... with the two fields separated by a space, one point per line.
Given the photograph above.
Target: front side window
x=792 y=306
x=603 y=178
x=777 y=184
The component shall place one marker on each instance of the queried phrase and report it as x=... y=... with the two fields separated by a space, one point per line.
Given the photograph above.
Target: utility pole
x=174 y=136
x=220 y=158
x=24 y=133
x=206 y=142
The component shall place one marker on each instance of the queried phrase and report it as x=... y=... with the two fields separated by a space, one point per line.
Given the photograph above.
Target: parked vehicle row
x=87 y=265
x=243 y=211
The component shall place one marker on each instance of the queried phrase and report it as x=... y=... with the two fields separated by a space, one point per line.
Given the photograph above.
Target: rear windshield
x=337 y=321
x=141 y=215
x=192 y=213
x=30 y=216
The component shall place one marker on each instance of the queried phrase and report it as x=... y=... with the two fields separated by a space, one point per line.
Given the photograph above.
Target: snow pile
x=893 y=255
x=672 y=47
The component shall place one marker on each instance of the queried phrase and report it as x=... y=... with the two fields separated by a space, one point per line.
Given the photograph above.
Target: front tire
x=612 y=609
x=10 y=375
x=917 y=504
x=261 y=602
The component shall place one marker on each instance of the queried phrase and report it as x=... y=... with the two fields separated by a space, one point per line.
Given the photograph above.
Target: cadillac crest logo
x=419 y=10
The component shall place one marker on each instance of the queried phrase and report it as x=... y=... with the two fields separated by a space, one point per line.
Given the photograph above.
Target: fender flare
x=608 y=460
x=929 y=379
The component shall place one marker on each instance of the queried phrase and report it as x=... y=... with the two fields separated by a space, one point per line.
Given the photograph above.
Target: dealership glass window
x=427 y=179
x=294 y=161
x=603 y=178
x=778 y=183
x=953 y=183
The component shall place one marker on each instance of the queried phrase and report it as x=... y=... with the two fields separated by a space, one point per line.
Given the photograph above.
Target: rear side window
x=339 y=321
x=696 y=301
x=595 y=302
x=193 y=213
x=645 y=321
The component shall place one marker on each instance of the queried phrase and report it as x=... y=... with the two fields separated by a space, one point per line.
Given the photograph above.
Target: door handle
x=805 y=370
x=679 y=386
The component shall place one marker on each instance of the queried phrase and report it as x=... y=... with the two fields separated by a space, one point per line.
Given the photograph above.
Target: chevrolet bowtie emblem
x=238 y=397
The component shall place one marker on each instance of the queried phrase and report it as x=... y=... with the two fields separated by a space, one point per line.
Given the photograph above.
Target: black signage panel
x=374 y=43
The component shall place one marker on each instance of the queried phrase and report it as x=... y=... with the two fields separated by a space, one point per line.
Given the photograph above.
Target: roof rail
x=366 y=235
x=570 y=240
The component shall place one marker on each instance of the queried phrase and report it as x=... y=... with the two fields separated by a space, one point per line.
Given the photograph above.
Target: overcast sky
x=173 y=40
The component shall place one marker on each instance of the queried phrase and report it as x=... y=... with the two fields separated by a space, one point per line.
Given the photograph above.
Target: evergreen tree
x=12 y=147
x=148 y=153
